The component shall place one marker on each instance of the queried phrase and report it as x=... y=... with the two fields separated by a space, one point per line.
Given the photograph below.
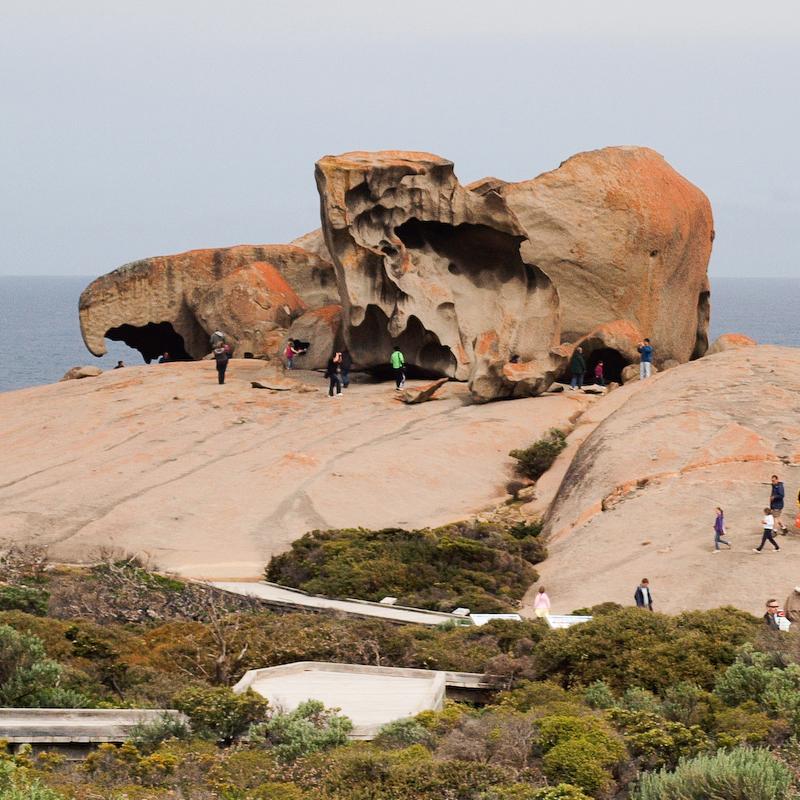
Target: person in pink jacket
x=541 y=604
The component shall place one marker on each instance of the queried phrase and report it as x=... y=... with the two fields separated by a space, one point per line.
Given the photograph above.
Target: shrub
x=564 y=791
x=598 y=695
x=17 y=784
x=480 y=566
x=404 y=732
x=309 y=728
x=580 y=762
x=560 y=728
x=217 y=713
x=745 y=724
x=535 y=460
x=656 y=742
x=740 y=774
x=147 y=736
x=24 y=598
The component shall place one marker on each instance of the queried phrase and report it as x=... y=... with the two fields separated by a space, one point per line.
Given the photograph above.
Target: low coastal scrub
x=631 y=704
x=484 y=567
x=535 y=460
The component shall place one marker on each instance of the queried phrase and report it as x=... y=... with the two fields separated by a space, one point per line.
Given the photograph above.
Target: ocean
x=40 y=337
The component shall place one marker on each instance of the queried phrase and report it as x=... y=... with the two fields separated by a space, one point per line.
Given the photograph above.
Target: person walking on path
x=776 y=501
x=769 y=524
x=719 y=531
x=577 y=367
x=643 y=596
x=645 y=359
x=347 y=365
x=334 y=374
x=599 y=377
x=221 y=356
x=541 y=604
x=399 y=367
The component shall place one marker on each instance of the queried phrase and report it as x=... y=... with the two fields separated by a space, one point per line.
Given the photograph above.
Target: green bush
x=656 y=742
x=309 y=728
x=740 y=774
x=745 y=724
x=598 y=695
x=24 y=598
x=147 y=736
x=17 y=784
x=560 y=728
x=404 y=732
x=535 y=460
x=581 y=762
x=219 y=714
x=480 y=566
x=564 y=791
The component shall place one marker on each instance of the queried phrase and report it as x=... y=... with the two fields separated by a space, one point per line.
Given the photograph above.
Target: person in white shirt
x=643 y=596
x=769 y=526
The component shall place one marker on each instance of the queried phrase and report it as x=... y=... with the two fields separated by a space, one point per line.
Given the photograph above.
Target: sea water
x=40 y=337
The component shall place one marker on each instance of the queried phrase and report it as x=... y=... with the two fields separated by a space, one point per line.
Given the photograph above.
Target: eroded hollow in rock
x=703 y=317
x=151 y=340
x=480 y=254
x=613 y=364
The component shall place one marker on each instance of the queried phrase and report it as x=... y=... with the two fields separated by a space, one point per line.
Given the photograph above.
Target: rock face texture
x=212 y=480
x=76 y=373
x=426 y=264
x=155 y=305
x=730 y=341
x=322 y=329
x=622 y=236
x=639 y=497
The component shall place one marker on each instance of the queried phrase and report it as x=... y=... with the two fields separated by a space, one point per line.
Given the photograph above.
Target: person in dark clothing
x=347 y=364
x=599 y=374
x=776 y=501
x=645 y=359
x=643 y=596
x=768 y=524
x=164 y=359
x=719 y=531
x=334 y=374
x=221 y=356
x=120 y=365
x=578 y=368
x=772 y=615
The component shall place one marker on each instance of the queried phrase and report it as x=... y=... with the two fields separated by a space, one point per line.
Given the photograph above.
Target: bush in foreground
x=535 y=460
x=739 y=774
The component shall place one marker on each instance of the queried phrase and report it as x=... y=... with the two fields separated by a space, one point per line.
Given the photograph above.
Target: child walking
x=719 y=531
x=769 y=526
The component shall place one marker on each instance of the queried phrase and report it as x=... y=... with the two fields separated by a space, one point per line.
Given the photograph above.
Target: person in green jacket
x=578 y=368
x=399 y=367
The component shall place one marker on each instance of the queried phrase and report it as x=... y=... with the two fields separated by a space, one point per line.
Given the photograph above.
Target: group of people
x=341 y=362
x=643 y=597
x=578 y=366
x=770 y=522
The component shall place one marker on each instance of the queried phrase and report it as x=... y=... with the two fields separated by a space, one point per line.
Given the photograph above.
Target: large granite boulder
x=424 y=263
x=730 y=341
x=153 y=304
x=322 y=329
x=622 y=236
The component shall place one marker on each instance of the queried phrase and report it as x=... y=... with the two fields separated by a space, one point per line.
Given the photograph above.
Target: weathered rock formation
x=76 y=373
x=623 y=237
x=322 y=328
x=639 y=497
x=172 y=303
x=730 y=341
x=426 y=264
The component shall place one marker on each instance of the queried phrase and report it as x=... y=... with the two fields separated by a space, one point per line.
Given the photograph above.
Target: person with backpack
x=577 y=368
x=221 y=356
x=334 y=373
x=399 y=366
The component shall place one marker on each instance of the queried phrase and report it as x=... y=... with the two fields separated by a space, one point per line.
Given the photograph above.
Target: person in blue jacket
x=645 y=359
x=776 y=501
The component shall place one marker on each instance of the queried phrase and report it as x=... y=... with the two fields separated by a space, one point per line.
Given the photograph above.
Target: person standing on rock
x=776 y=501
x=221 y=356
x=120 y=365
x=289 y=353
x=347 y=365
x=719 y=531
x=599 y=376
x=643 y=596
x=541 y=604
x=769 y=524
x=577 y=368
x=334 y=374
x=645 y=359
x=399 y=366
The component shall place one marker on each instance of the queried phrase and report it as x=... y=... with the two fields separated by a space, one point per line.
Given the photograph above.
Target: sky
x=131 y=129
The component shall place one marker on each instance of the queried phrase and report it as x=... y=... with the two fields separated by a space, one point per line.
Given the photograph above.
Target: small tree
x=218 y=713
x=534 y=461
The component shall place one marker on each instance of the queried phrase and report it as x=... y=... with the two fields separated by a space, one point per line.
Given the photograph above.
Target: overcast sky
x=137 y=128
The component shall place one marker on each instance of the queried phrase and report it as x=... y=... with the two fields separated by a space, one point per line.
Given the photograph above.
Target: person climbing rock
x=221 y=356
x=577 y=367
x=645 y=350
x=334 y=374
x=399 y=367
x=719 y=531
x=643 y=596
x=768 y=524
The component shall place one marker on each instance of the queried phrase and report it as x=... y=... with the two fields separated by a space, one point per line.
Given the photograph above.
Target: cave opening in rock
x=703 y=317
x=151 y=340
x=613 y=364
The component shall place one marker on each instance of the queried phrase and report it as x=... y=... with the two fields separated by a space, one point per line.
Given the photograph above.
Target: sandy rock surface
x=638 y=498
x=211 y=480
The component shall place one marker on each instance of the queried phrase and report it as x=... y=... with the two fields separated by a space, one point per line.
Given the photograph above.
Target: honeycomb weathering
x=426 y=264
